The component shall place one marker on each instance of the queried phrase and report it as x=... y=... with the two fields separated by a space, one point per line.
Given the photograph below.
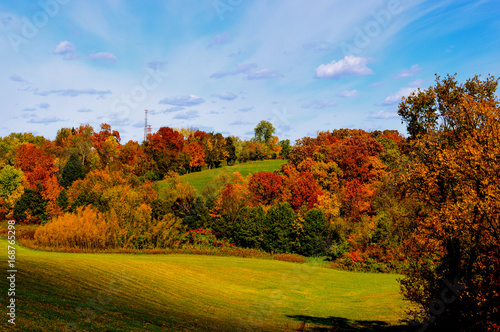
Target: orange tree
x=454 y=269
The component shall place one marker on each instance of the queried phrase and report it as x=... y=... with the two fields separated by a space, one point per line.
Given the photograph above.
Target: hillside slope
x=124 y=292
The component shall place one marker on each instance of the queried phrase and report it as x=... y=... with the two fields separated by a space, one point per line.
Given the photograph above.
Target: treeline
x=426 y=206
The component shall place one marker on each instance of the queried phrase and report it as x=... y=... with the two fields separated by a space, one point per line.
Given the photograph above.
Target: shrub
x=86 y=229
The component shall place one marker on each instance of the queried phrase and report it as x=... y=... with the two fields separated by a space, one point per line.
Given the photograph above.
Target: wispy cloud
x=241 y=68
x=168 y=110
x=74 y=92
x=222 y=38
x=67 y=50
x=44 y=120
x=350 y=65
x=84 y=110
x=156 y=64
x=226 y=96
x=348 y=94
x=396 y=98
x=187 y=115
x=319 y=104
x=409 y=72
x=17 y=78
x=240 y=123
x=190 y=100
x=246 y=109
x=384 y=115
x=418 y=83
x=44 y=105
x=31 y=109
x=103 y=57
x=263 y=74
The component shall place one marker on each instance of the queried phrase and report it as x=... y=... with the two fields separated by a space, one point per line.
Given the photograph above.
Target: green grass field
x=199 y=179
x=127 y=292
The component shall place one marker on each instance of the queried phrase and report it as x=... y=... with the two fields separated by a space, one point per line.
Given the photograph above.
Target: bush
x=86 y=229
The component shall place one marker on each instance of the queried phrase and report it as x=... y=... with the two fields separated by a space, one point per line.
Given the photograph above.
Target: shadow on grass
x=311 y=323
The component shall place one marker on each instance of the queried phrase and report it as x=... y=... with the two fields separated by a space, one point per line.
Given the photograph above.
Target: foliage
x=278 y=229
x=10 y=179
x=264 y=132
x=266 y=187
x=73 y=170
x=30 y=208
x=456 y=162
x=248 y=231
x=86 y=228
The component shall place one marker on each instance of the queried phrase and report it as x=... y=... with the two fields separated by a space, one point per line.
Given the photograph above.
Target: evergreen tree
x=72 y=171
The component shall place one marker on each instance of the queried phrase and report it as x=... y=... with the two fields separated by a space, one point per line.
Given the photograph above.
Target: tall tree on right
x=453 y=273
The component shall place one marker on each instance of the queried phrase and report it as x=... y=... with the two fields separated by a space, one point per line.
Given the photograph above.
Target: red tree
x=266 y=187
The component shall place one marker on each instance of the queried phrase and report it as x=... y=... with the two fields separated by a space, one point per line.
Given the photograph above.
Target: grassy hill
x=199 y=179
x=126 y=292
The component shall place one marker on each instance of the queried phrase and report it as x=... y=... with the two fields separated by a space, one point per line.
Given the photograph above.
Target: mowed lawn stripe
x=130 y=292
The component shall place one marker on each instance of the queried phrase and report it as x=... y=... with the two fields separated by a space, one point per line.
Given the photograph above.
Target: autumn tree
x=9 y=145
x=164 y=147
x=266 y=187
x=215 y=150
x=36 y=164
x=456 y=162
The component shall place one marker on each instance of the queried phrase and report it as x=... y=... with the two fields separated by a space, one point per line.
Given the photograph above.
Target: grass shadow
x=311 y=323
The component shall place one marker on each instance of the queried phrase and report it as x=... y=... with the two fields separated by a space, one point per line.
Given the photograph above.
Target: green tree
x=72 y=171
x=285 y=148
x=30 y=207
x=10 y=179
x=264 y=132
x=278 y=226
x=313 y=236
x=231 y=151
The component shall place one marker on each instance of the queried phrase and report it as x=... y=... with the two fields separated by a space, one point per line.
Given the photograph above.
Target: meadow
x=199 y=179
x=136 y=292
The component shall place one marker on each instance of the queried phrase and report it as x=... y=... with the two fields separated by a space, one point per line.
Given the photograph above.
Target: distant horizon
x=223 y=65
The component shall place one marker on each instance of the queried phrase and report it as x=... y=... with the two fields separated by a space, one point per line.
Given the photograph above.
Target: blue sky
x=224 y=65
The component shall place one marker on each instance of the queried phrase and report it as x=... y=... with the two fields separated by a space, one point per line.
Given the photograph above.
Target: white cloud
x=190 y=100
x=409 y=72
x=240 y=69
x=396 y=98
x=103 y=57
x=67 y=49
x=350 y=65
x=349 y=93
